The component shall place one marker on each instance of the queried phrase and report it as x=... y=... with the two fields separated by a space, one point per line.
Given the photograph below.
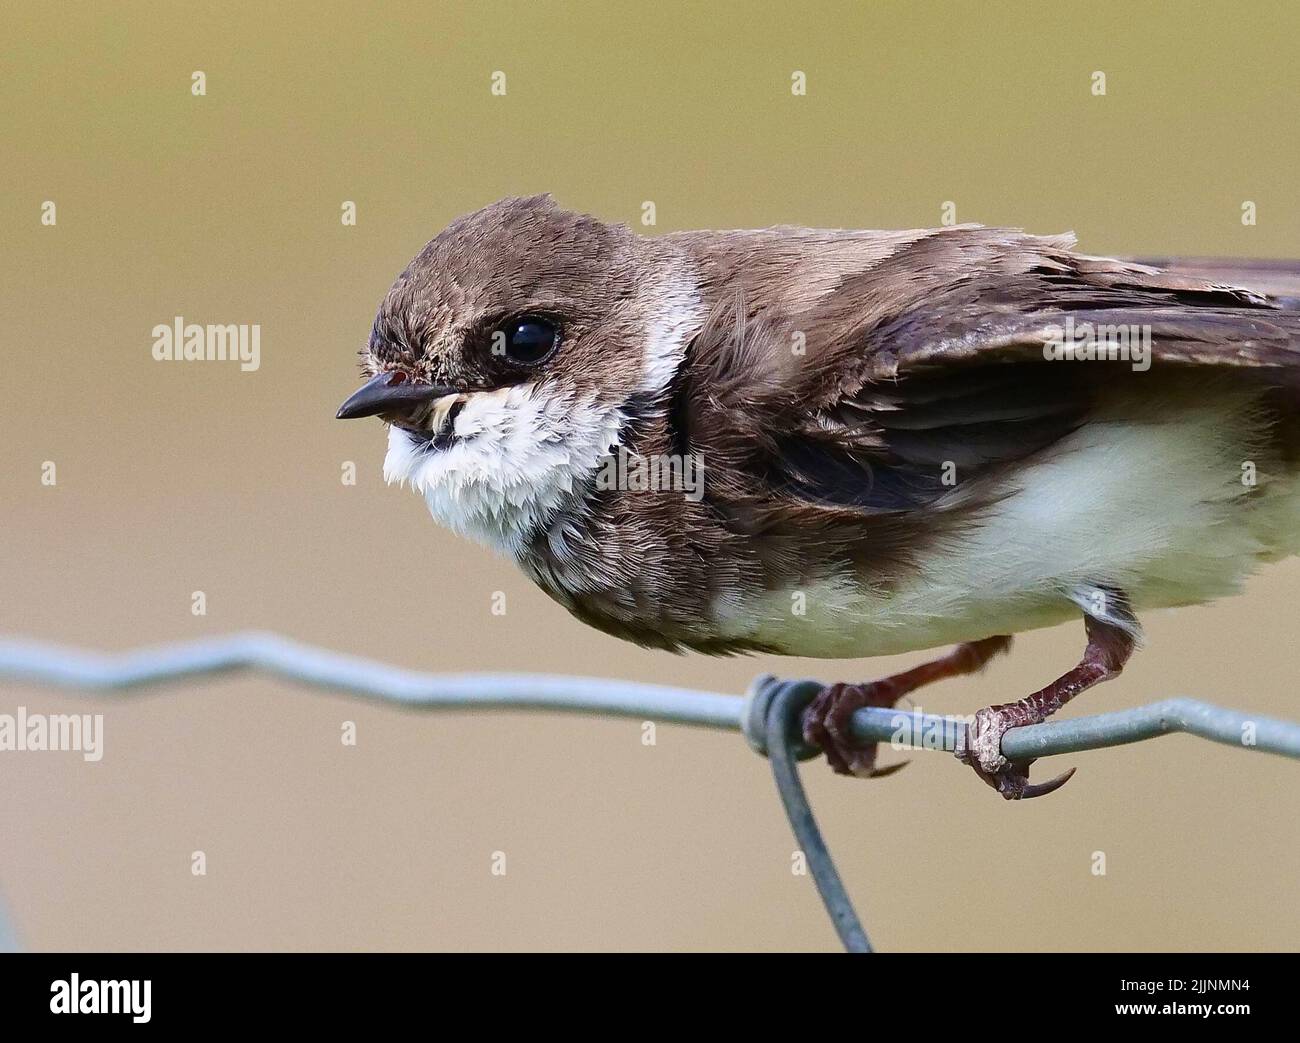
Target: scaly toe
x=982 y=750
x=826 y=724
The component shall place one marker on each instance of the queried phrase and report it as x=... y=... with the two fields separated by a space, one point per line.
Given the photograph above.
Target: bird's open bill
x=390 y=392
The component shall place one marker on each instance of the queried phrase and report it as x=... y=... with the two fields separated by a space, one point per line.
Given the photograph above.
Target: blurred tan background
x=177 y=477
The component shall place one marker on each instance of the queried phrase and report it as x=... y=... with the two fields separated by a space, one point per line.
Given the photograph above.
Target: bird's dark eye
x=525 y=341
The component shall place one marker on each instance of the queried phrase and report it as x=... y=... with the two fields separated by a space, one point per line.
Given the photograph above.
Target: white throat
x=521 y=453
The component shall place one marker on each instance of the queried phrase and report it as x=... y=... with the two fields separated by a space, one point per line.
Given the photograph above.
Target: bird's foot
x=982 y=750
x=826 y=724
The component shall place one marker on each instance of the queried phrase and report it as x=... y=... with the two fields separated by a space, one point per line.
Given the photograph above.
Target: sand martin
x=906 y=439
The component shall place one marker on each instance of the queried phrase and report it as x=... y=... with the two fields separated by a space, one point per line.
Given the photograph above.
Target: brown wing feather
x=935 y=356
x=1010 y=309
x=1279 y=279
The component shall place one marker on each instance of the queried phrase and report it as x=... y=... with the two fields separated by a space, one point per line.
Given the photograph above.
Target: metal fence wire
x=767 y=715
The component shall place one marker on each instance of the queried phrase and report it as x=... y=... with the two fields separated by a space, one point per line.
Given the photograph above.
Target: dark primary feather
x=1008 y=313
x=1279 y=279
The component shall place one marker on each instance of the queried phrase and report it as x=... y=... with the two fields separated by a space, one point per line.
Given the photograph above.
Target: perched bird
x=902 y=439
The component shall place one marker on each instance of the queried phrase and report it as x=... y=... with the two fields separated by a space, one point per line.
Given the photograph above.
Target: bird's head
x=510 y=354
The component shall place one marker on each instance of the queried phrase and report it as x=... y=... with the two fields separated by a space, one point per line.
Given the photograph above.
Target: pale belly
x=1154 y=499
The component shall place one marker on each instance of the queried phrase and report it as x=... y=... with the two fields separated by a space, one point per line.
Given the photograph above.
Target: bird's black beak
x=392 y=393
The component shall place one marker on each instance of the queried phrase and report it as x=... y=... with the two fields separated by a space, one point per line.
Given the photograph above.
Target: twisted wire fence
x=767 y=715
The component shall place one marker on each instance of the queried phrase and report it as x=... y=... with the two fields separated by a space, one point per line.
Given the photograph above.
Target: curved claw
x=880 y=773
x=1041 y=789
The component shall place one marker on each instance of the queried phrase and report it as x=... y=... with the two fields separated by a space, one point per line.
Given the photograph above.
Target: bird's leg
x=1109 y=647
x=826 y=721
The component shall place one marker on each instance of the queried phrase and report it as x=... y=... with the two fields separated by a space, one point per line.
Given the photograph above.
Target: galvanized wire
x=784 y=711
x=45 y=663
x=767 y=716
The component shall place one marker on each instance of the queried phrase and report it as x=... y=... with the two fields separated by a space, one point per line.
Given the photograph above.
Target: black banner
x=979 y=993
